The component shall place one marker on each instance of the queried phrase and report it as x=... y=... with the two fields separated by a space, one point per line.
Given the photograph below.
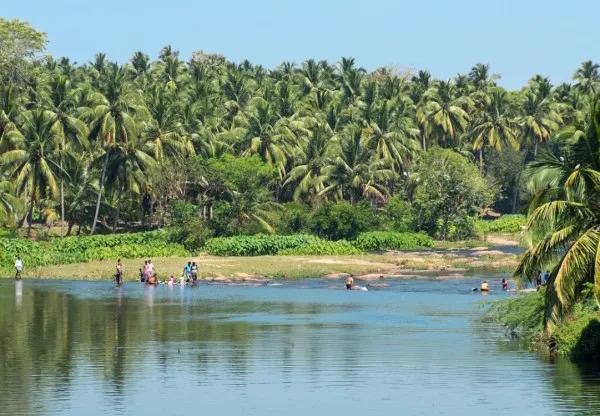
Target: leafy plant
x=388 y=240
x=323 y=248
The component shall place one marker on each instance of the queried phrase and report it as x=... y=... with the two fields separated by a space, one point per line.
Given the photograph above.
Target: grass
x=283 y=266
x=577 y=336
x=295 y=266
x=212 y=266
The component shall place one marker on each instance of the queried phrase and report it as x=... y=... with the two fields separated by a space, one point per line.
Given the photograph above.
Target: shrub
x=506 y=224
x=522 y=315
x=255 y=245
x=449 y=190
x=85 y=248
x=399 y=215
x=294 y=218
x=388 y=240
x=578 y=335
x=322 y=248
x=341 y=220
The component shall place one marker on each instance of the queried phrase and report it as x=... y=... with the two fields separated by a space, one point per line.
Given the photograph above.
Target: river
x=301 y=347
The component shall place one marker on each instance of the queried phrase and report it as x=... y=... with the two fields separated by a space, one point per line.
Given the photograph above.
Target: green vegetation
x=387 y=240
x=214 y=148
x=577 y=335
x=255 y=245
x=323 y=248
x=564 y=222
x=300 y=244
x=82 y=249
x=511 y=224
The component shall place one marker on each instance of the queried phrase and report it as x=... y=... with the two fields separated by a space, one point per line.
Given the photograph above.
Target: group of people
x=147 y=274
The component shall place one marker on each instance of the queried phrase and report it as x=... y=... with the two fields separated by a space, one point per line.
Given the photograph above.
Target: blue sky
x=517 y=38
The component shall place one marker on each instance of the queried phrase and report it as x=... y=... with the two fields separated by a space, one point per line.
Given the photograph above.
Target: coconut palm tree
x=261 y=131
x=539 y=119
x=9 y=203
x=113 y=122
x=306 y=177
x=564 y=217
x=493 y=124
x=587 y=77
x=391 y=134
x=444 y=112
x=30 y=164
x=163 y=131
x=71 y=131
x=355 y=173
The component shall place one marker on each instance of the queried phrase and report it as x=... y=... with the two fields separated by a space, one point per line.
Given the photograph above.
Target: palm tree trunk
x=535 y=147
x=62 y=199
x=424 y=144
x=100 y=192
x=116 y=219
x=31 y=209
x=481 y=159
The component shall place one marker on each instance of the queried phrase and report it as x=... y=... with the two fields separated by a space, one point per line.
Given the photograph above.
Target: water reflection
x=92 y=348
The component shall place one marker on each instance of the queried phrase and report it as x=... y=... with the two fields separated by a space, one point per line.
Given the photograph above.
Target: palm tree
x=493 y=125
x=127 y=170
x=444 y=112
x=481 y=78
x=307 y=177
x=539 y=119
x=391 y=134
x=262 y=132
x=112 y=122
x=587 y=77
x=354 y=173
x=30 y=164
x=564 y=219
x=9 y=203
x=164 y=131
x=71 y=131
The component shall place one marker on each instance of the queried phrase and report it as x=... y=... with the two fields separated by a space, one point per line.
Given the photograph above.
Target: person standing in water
x=504 y=284
x=18 y=267
x=151 y=267
x=349 y=283
x=194 y=271
x=187 y=271
x=485 y=287
x=119 y=272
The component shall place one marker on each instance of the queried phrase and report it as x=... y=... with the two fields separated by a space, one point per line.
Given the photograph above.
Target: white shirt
x=19 y=265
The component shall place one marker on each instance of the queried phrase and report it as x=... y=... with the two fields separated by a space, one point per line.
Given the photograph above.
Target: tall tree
x=30 y=164
x=564 y=220
x=113 y=121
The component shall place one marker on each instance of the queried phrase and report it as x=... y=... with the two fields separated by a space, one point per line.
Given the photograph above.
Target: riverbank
x=445 y=263
x=576 y=337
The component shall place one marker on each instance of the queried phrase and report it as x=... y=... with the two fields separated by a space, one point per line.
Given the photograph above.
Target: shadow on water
x=75 y=348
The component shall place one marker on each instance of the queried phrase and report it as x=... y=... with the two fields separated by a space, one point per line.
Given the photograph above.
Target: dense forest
x=237 y=148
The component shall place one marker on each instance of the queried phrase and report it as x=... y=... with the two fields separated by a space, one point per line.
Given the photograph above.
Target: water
x=301 y=348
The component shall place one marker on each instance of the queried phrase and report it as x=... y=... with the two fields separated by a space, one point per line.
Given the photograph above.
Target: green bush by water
x=506 y=224
x=256 y=245
x=388 y=240
x=85 y=248
x=323 y=248
x=577 y=336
